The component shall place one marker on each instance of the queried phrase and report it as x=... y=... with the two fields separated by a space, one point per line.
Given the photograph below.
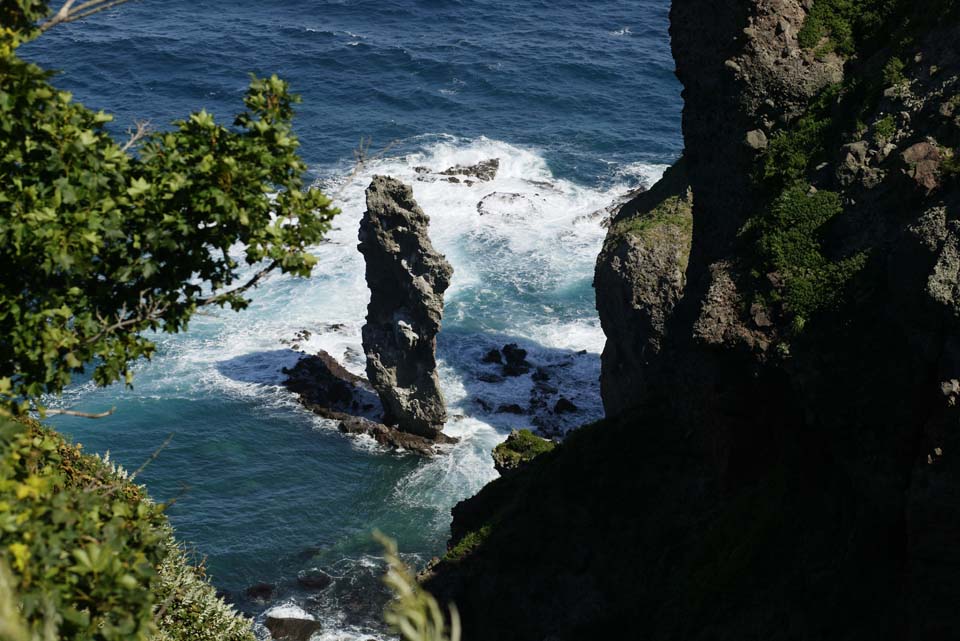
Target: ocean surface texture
x=578 y=102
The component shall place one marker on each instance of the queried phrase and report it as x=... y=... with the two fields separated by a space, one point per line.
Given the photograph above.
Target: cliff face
x=777 y=462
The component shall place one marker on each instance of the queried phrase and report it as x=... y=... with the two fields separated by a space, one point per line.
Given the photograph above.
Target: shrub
x=91 y=557
x=885 y=128
x=793 y=150
x=789 y=245
x=893 y=72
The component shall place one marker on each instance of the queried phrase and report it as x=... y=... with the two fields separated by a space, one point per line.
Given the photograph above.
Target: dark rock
x=565 y=406
x=407 y=278
x=290 y=623
x=392 y=437
x=483 y=404
x=540 y=375
x=511 y=408
x=314 y=579
x=324 y=384
x=487 y=377
x=259 y=591
x=493 y=356
x=515 y=360
x=484 y=170
x=329 y=390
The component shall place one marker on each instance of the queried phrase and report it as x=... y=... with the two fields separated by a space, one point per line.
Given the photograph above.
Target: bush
x=789 y=245
x=91 y=556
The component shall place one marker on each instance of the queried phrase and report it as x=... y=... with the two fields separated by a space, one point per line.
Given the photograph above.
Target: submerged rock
x=484 y=170
x=515 y=360
x=314 y=579
x=407 y=278
x=259 y=591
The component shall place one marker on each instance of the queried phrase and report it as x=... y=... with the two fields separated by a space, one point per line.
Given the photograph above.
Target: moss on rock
x=521 y=447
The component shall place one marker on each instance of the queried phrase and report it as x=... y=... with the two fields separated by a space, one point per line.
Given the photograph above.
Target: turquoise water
x=578 y=102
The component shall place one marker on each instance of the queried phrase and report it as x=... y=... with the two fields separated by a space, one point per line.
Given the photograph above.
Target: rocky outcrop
x=521 y=447
x=328 y=389
x=640 y=275
x=407 y=278
x=777 y=459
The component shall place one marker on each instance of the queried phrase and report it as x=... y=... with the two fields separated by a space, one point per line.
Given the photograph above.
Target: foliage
x=414 y=613
x=107 y=244
x=857 y=27
x=792 y=151
x=950 y=165
x=468 y=543
x=83 y=555
x=91 y=556
x=893 y=72
x=189 y=608
x=885 y=128
x=788 y=244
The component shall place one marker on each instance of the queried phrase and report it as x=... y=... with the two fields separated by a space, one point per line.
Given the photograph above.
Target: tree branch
x=152 y=457
x=143 y=128
x=69 y=13
x=56 y=412
x=239 y=290
x=147 y=312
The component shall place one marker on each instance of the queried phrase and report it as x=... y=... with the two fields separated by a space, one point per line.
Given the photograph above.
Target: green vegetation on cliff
x=87 y=555
x=520 y=447
x=856 y=27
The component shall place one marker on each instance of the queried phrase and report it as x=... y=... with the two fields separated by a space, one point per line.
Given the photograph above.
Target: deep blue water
x=579 y=102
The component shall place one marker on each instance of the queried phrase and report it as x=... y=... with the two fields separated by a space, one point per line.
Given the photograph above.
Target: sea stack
x=407 y=278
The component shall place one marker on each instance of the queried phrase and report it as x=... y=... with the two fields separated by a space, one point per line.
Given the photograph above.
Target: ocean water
x=578 y=102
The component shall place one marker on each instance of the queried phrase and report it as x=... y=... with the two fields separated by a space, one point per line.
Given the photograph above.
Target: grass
x=470 y=542
x=672 y=212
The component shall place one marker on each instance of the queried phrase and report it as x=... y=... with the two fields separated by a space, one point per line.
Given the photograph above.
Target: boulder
x=407 y=278
x=291 y=623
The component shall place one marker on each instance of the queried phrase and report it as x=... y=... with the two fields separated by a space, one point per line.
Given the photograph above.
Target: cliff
x=782 y=395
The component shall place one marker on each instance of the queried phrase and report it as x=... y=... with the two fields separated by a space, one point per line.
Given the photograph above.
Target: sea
x=579 y=103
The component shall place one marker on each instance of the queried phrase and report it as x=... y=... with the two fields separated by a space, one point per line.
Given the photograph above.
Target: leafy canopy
x=99 y=244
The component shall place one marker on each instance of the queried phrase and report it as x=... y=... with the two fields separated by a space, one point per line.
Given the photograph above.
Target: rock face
x=782 y=401
x=407 y=279
x=640 y=276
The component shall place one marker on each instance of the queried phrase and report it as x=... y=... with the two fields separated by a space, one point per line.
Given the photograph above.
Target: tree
x=101 y=242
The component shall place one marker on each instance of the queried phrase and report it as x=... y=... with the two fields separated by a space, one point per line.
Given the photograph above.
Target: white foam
x=289 y=611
